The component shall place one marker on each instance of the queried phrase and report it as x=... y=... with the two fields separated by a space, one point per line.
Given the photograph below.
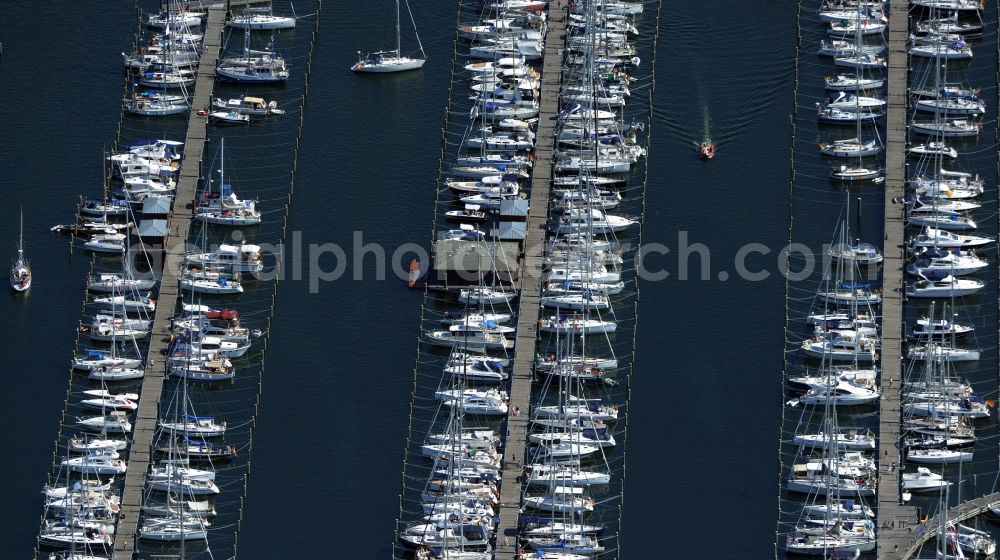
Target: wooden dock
x=894 y=519
x=144 y=426
x=515 y=435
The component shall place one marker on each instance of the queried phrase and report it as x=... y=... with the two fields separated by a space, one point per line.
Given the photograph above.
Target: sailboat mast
x=398 y=25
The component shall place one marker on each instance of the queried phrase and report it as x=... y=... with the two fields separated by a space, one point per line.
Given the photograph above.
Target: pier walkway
x=921 y=533
x=892 y=514
x=515 y=435
x=144 y=425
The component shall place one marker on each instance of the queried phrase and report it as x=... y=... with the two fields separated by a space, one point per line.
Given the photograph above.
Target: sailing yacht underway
x=20 y=273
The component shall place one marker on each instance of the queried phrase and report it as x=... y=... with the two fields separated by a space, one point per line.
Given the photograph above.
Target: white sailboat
x=20 y=272
x=382 y=62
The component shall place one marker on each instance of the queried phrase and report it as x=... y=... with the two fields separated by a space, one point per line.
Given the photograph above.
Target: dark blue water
x=330 y=437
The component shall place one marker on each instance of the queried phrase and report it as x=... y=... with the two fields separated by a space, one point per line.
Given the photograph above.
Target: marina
x=138 y=465
x=524 y=379
x=548 y=262
x=872 y=339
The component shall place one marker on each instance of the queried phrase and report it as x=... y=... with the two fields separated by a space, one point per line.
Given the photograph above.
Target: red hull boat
x=706 y=150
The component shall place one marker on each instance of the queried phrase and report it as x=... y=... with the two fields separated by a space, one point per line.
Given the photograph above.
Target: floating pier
x=179 y=223
x=894 y=519
x=515 y=435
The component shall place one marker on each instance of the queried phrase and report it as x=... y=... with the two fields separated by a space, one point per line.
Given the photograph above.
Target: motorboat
x=480 y=369
x=706 y=150
x=924 y=481
x=935 y=262
x=104 y=400
x=936 y=237
x=944 y=287
x=841 y=393
x=231 y=116
x=247 y=105
x=236 y=258
x=96 y=464
x=926 y=328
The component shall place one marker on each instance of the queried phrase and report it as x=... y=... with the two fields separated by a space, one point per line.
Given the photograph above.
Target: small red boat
x=706 y=150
